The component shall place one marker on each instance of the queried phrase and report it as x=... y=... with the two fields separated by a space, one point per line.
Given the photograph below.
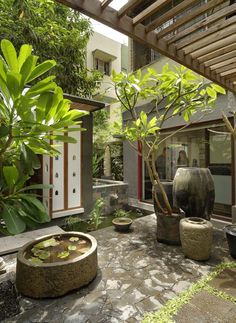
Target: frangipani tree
x=174 y=92
x=32 y=113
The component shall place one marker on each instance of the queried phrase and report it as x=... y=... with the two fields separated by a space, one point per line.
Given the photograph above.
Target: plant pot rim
x=21 y=252
x=195 y=220
x=230 y=229
x=122 y=221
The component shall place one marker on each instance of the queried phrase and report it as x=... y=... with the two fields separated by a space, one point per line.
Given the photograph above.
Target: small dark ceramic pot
x=230 y=231
x=122 y=224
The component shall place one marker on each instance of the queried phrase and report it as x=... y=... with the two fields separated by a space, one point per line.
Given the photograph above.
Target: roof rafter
x=127 y=7
x=180 y=22
x=203 y=53
x=149 y=11
x=205 y=22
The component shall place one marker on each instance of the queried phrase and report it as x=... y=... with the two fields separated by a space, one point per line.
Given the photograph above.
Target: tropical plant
x=55 y=32
x=120 y=213
x=30 y=117
x=172 y=92
x=96 y=164
x=95 y=216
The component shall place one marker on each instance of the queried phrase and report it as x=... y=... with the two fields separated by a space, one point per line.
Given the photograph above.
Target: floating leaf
x=44 y=254
x=73 y=239
x=70 y=247
x=35 y=260
x=47 y=243
x=63 y=254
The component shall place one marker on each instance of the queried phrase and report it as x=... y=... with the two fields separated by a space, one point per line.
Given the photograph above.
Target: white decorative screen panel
x=74 y=172
x=58 y=179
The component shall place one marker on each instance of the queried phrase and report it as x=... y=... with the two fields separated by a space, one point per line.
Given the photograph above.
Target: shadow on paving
x=136 y=275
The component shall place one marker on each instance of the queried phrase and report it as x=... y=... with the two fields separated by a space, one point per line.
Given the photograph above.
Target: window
x=102 y=66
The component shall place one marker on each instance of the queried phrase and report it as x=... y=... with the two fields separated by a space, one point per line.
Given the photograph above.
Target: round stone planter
x=193 y=191
x=122 y=224
x=230 y=231
x=196 y=238
x=57 y=278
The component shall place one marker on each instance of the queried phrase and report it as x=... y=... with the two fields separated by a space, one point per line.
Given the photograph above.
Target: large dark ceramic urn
x=193 y=191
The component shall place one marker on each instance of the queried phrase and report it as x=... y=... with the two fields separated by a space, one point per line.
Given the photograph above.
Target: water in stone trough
x=58 y=249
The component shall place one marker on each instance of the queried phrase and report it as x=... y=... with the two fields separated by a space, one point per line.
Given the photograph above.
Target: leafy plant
x=120 y=213
x=96 y=164
x=177 y=92
x=95 y=217
x=63 y=254
x=30 y=117
x=55 y=31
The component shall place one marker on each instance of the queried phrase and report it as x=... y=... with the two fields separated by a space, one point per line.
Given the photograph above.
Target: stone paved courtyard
x=136 y=274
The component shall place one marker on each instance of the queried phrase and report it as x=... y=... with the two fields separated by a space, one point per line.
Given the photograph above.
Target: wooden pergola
x=200 y=35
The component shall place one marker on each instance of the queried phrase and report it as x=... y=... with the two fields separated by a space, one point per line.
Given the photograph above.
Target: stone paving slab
x=207 y=308
x=226 y=282
x=136 y=275
x=11 y=244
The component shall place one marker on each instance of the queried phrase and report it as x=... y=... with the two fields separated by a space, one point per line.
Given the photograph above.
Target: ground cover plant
x=166 y=313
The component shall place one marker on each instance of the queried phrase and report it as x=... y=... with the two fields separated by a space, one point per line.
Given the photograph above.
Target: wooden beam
x=109 y=17
x=105 y=3
x=189 y=17
x=149 y=11
x=230 y=77
x=204 y=23
x=217 y=53
x=225 y=68
x=214 y=46
x=208 y=32
x=220 y=58
x=169 y=15
x=128 y=7
x=228 y=72
x=221 y=64
x=222 y=34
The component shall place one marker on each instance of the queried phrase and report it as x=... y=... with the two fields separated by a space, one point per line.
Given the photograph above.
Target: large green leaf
x=10 y=175
x=12 y=220
x=14 y=84
x=28 y=67
x=9 y=54
x=41 y=69
x=25 y=52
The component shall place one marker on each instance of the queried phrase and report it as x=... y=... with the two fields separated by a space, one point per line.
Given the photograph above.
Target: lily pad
x=74 y=239
x=72 y=248
x=47 y=243
x=44 y=254
x=63 y=254
x=35 y=260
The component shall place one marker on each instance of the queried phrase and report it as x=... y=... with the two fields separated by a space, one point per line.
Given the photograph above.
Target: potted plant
x=177 y=92
x=121 y=221
x=33 y=112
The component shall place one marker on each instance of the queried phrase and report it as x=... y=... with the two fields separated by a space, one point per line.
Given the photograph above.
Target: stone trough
x=56 y=278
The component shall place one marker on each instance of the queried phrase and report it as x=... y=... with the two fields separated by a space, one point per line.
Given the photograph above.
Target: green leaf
x=10 y=175
x=41 y=69
x=63 y=254
x=35 y=260
x=9 y=54
x=211 y=92
x=33 y=200
x=218 y=88
x=47 y=243
x=12 y=220
x=36 y=187
x=25 y=52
